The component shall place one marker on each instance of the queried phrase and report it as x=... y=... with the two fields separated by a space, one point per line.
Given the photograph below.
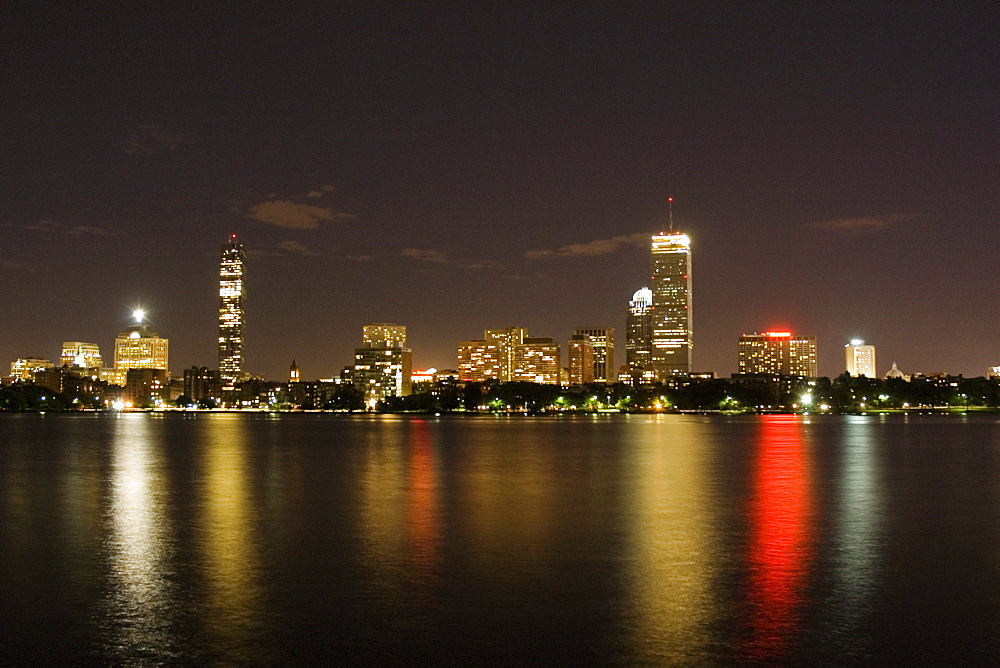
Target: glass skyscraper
x=670 y=282
x=232 y=298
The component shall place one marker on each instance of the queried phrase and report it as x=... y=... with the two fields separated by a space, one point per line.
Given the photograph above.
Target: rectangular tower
x=603 y=339
x=670 y=282
x=860 y=359
x=232 y=295
x=780 y=353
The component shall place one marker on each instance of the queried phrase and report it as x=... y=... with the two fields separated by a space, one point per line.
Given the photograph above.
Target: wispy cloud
x=291 y=215
x=865 y=223
x=76 y=231
x=359 y=258
x=297 y=247
x=151 y=138
x=442 y=258
x=323 y=190
x=591 y=248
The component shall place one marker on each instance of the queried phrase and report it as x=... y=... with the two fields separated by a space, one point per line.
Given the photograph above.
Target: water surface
x=300 y=538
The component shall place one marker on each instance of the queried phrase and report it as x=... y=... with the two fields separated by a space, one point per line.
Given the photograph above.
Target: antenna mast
x=670 y=208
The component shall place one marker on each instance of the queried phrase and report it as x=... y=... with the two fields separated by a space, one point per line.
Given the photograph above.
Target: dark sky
x=456 y=167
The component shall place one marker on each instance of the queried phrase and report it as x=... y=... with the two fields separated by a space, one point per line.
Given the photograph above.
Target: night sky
x=457 y=167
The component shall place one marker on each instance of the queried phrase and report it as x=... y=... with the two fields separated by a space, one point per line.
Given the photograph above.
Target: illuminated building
x=293 y=373
x=138 y=347
x=670 y=282
x=384 y=335
x=24 y=368
x=639 y=330
x=232 y=326
x=603 y=340
x=507 y=355
x=780 y=353
x=491 y=357
x=383 y=367
x=81 y=355
x=860 y=359
x=581 y=359
x=537 y=360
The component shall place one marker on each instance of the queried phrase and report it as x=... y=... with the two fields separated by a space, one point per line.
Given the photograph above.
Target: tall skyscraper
x=603 y=339
x=780 y=353
x=670 y=281
x=860 y=359
x=639 y=330
x=232 y=297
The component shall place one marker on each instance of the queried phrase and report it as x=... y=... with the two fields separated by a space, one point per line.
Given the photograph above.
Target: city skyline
x=455 y=169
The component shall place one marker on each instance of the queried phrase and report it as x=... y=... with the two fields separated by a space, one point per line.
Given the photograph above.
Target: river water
x=217 y=538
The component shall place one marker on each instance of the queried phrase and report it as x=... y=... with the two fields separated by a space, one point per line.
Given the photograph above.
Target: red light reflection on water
x=422 y=519
x=781 y=536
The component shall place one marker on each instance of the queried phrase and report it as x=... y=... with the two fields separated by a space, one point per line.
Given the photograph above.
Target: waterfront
x=296 y=538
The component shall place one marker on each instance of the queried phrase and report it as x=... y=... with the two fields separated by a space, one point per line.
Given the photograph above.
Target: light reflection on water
x=141 y=605
x=633 y=539
x=672 y=559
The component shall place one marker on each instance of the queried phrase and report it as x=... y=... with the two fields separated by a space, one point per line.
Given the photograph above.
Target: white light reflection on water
x=139 y=610
x=859 y=518
x=672 y=565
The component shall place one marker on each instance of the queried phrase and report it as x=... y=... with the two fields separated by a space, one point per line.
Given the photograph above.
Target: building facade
x=581 y=359
x=383 y=365
x=603 y=340
x=232 y=325
x=537 y=360
x=24 y=369
x=639 y=330
x=509 y=355
x=860 y=359
x=139 y=347
x=670 y=283
x=80 y=355
x=780 y=353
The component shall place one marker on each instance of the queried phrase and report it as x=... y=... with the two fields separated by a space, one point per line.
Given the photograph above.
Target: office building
x=639 y=330
x=139 y=347
x=777 y=353
x=509 y=355
x=670 y=282
x=23 y=369
x=491 y=357
x=232 y=326
x=202 y=384
x=537 y=360
x=80 y=355
x=603 y=340
x=860 y=359
x=383 y=365
x=581 y=359
x=384 y=335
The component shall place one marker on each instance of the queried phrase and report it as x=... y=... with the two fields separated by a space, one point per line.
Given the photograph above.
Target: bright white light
x=857 y=342
x=138 y=314
x=118 y=405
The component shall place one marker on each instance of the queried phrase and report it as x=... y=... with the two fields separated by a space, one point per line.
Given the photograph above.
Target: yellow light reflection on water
x=672 y=565
x=231 y=553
